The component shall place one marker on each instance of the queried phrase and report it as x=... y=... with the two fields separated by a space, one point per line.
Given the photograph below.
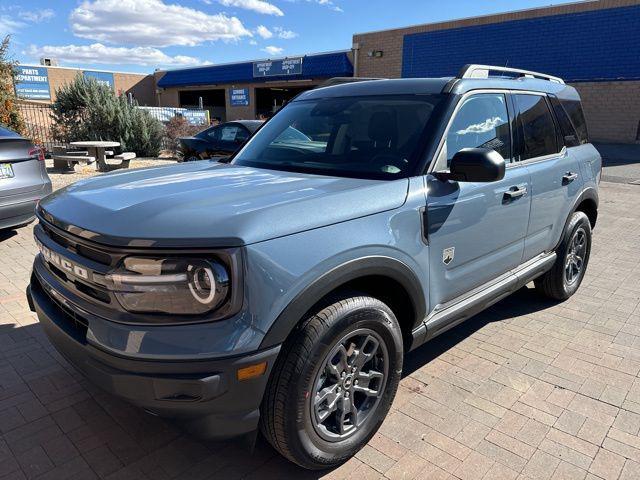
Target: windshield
x=364 y=137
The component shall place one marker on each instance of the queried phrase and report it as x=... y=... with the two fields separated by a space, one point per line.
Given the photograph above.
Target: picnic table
x=97 y=148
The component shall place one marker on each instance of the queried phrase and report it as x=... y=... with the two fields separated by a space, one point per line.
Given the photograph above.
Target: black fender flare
x=337 y=276
x=589 y=193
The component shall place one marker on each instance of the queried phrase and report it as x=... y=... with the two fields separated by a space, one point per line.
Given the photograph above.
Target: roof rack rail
x=341 y=80
x=483 y=71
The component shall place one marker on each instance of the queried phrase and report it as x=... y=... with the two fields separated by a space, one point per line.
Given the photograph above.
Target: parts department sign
x=239 y=97
x=104 y=78
x=32 y=83
x=278 y=68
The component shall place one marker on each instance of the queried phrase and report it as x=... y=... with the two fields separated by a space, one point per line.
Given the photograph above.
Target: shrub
x=87 y=110
x=178 y=127
x=9 y=113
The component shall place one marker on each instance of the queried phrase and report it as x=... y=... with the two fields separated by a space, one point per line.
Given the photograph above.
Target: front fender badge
x=447 y=255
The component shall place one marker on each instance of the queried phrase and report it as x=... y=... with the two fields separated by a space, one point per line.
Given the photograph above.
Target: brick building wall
x=170 y=97
x=141 y=85
x=612 y=110
x=612 y=107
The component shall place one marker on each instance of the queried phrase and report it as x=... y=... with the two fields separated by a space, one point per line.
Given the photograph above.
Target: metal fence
x=195 y=116
x=39 y=122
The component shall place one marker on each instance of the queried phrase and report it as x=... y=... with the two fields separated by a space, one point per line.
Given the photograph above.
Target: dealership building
x=39 y=83
x=247 y=90
x=593 y=45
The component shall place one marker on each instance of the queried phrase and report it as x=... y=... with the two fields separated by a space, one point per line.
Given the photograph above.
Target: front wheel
x=567 y=273
x=334 y=382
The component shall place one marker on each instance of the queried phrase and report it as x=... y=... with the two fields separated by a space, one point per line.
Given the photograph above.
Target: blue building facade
x=597 y=45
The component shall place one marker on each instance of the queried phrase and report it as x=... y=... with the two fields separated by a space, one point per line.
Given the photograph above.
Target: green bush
x=9 y=112
x=87 y=110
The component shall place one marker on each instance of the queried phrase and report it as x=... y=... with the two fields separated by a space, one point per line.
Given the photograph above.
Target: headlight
x=182 y=286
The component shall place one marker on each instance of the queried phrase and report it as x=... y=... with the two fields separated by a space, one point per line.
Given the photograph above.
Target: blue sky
x=141 y=35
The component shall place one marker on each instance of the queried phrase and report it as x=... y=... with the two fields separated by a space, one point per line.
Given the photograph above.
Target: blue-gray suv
x=279 y=289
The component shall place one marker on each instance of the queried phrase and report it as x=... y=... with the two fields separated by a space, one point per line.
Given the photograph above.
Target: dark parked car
x=221 y=140
x=23 y=179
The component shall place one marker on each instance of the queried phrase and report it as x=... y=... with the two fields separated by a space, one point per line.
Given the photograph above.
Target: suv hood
x=212 y=204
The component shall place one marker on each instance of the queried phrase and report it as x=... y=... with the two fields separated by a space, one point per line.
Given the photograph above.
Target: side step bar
x=446 y=316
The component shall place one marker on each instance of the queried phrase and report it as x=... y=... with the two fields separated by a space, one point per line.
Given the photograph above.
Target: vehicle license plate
x=6 y=170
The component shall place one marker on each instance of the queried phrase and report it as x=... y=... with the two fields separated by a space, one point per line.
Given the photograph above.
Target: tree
x=87 y=110
x=9 y=112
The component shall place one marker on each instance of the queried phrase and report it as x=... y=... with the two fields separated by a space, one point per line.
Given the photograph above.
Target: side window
x=569 y=135
x=574 y=110
x=228 y=133
x=481 y=122
x=213 y=134
x=242 y=135
x=538 y=128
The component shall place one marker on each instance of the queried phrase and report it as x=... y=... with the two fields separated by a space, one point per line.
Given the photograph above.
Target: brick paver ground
x=527 y=389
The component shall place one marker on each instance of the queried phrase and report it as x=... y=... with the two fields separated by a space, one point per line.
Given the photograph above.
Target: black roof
x=413 y=86
x=252 y=125
x=378 y=87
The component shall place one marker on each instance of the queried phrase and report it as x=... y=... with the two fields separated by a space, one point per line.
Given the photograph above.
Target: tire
x=558 y=283
x=307 y=365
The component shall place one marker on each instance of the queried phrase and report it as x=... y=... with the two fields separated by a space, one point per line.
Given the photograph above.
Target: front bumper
x=204 y=395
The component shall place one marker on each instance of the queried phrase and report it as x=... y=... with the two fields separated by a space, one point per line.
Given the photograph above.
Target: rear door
x=475 y=231
x=555 y=173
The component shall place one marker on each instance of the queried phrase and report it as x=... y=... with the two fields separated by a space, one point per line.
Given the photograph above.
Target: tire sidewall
x=578 y=220
x=367 y=313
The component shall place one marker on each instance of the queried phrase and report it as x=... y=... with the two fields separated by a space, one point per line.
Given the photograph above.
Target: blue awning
x=324 y=65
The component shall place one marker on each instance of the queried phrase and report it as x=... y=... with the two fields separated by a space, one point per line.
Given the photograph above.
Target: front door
x=476 y=231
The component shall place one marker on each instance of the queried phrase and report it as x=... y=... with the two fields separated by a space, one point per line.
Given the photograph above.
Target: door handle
x=515 y=192
x=569 y=177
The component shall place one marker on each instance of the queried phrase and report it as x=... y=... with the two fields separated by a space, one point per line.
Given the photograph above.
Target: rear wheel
x=334 y=383
x=566 y=275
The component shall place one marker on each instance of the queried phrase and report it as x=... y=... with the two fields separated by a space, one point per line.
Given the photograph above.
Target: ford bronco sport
x=279 y=290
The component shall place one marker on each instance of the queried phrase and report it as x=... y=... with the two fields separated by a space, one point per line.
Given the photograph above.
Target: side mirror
x=477 y=165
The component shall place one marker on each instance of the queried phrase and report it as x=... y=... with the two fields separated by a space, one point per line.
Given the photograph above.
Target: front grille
x=81 y=253
x=89 y=252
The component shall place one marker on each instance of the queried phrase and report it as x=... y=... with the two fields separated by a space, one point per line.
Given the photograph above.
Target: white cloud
x=151 y=23
x=272 y=50
x=253 y=42
x=259 y=6
x=285 y=34
x=329 y=4
x=36 y=16
x=264 y=32
x=9 y=25
x=98 y=53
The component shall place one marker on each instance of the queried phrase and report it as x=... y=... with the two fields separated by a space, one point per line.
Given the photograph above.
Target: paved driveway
x=527 y=389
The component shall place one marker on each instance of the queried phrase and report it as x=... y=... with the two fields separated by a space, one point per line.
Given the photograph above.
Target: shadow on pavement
x=105 y=436
x=524 y=301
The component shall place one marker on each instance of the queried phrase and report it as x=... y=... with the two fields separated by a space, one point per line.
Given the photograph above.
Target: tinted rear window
x=574 y=110
x=538 y=128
